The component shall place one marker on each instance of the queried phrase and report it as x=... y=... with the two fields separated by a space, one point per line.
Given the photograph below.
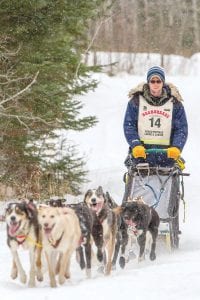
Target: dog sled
x=161 y=188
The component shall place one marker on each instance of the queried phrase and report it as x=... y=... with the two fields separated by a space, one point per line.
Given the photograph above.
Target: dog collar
x=55 y=245
x=21 y=238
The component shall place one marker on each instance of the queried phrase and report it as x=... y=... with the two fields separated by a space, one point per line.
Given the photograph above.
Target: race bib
x=155 y=122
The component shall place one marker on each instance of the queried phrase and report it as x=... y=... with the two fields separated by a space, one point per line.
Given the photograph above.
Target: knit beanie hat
x=156 y=71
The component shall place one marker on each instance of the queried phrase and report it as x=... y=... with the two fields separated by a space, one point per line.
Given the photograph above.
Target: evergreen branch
x=22 y=91
x=19 y=118
x=9 y=53
x=9 y=80
x=22 y=123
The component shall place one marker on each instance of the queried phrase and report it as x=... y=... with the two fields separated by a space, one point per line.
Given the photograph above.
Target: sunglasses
x=155 y=81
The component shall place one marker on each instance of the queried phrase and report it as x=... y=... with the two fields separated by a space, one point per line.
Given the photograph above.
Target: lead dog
x=23 y=230
x=61 y=236
x=141 y=220
x=106 y=223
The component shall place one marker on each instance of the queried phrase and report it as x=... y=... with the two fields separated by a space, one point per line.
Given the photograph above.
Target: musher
x=155 y=118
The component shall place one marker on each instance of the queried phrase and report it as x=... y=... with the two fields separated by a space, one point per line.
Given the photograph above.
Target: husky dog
x=106 y=222
x=122 y=237
x=56 y=202
x=86 y=219
x=143 y=222
x=23 y=230
x=61 y=235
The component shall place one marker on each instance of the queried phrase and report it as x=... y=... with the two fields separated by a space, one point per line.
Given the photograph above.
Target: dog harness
x=22 y=238
x=55 y=245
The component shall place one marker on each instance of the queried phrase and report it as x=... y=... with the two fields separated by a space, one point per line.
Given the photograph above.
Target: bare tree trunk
x=195 y=8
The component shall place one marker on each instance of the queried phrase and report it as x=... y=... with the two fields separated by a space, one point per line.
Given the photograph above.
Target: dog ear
x=100 y=190
x=86 y=194
x=107 y=198
x=31 y=209
x=118 y=210
x=8 y=207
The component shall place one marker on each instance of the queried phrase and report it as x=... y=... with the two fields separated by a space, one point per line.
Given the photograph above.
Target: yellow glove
x=138 y=151
x=173 y=152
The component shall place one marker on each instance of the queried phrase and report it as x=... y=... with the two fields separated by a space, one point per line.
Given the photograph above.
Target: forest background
x=48 y=53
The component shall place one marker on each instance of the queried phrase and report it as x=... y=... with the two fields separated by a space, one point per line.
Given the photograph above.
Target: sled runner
x=161 y=188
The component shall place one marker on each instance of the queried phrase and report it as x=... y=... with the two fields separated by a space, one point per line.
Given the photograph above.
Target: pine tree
x=42 y=74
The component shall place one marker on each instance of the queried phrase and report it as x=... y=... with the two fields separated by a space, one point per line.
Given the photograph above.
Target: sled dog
x=23 y=230
x=122 y=237
x=143 y=222
x=106 y=222
x=61 y=236
x=86 y=220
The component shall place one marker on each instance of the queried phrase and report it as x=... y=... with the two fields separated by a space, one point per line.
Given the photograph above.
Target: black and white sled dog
x=105 y=226
x=23 y=230
x=143 y=222
x=87 y=219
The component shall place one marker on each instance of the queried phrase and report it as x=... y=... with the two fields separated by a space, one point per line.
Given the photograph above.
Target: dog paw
x=53 y=283
x=67 y=275
x=100 y=255
x=88 y=273
x=100 y=269
x=23 y=277
x=122 y=262
x=107 y=271
x=13 y=274
x=141 y=258
x=152 y=256
x=39 y=276
x=31 y=283
x=61 y=279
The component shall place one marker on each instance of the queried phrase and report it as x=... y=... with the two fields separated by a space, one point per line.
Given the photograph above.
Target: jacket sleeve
x=179 y=126
x=130 y=124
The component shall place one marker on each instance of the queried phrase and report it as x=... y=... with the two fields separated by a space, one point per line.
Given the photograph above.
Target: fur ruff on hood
x=140 y=87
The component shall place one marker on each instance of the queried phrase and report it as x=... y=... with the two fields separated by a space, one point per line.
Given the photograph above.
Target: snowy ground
x=173 y=276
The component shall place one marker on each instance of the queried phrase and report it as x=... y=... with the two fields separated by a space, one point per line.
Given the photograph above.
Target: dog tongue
x=47 y=232
x=96 y=207
x=12 y=229
x=130 y=223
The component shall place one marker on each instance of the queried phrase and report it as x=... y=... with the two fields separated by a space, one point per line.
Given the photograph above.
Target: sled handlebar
x=180 y=161
x=155 y=150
